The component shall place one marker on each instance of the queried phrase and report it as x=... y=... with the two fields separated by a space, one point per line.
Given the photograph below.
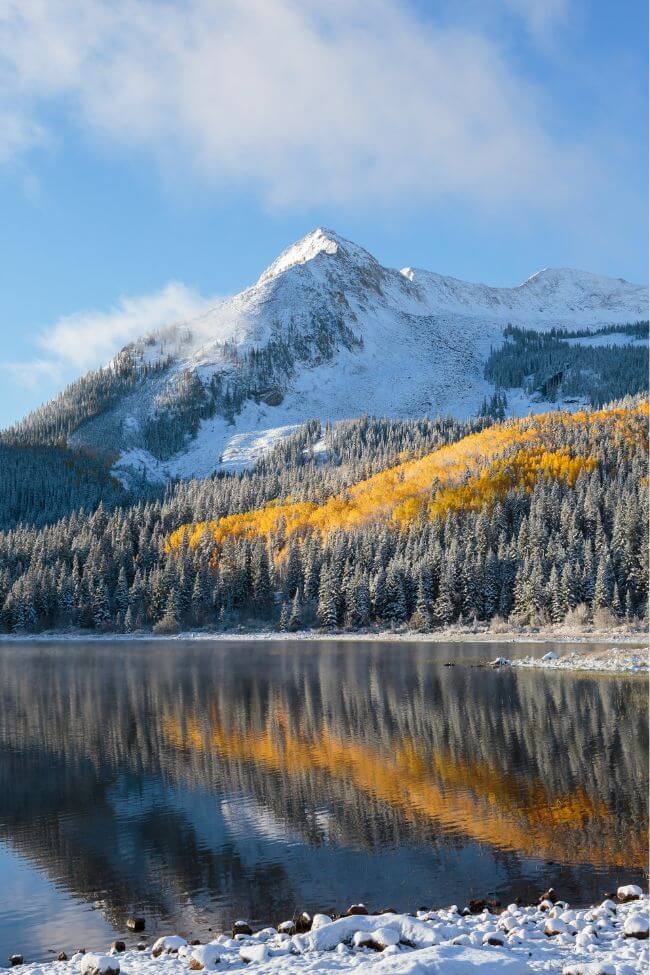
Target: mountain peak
x=318 y=241
x=555 y=276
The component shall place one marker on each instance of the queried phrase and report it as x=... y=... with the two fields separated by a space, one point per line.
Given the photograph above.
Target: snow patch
x=319 y=241
x=522 y=940
x=618 y=660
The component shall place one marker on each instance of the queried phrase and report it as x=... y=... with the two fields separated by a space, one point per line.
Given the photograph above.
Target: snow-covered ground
x=617 y=660
x=452 y=634
x=609 y=939
x=613 y=338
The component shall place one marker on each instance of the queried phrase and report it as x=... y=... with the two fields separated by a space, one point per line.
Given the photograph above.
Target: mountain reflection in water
x=199 y=782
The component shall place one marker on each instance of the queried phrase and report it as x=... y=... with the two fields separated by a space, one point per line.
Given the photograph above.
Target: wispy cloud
x=305 y=101
x=539 y=16
x=75 y=343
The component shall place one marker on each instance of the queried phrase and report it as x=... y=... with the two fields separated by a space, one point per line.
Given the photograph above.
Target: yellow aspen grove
x=470 y=474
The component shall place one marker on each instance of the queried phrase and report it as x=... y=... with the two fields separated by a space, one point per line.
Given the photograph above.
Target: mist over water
x=195 y=783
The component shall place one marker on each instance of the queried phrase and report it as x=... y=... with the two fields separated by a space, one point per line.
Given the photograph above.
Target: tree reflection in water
x=197 y=782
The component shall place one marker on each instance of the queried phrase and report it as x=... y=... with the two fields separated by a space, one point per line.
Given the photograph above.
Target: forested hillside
x=374 y=523
x=39 y=485
x=595 y=366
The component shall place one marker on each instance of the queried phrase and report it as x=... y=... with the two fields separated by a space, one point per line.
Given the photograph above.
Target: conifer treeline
x=567 y=364
x=539 y=553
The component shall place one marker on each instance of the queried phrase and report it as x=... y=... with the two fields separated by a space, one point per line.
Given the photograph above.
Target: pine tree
x=261 y=580
x=295 y=617
x=558 y=606
x=327 y=609
x=198 y=602
x=283 y=622
x=443 y=609
x=421 y=619
x=363 y=607
x=396 y=605
x=122 y=592
x=604 y=585
x=100 y=607
x=169 y=622
x=129 y=621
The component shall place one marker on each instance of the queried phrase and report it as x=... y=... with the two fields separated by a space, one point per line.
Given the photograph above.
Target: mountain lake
x=193 y=783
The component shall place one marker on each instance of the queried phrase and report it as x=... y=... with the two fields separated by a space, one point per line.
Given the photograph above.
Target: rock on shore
x=610 y=938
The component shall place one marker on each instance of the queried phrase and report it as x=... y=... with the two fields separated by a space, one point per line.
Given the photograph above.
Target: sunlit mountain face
x=197 y=783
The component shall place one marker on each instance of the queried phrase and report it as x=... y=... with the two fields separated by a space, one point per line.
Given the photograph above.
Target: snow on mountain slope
x=328 y=333
x=560 y=296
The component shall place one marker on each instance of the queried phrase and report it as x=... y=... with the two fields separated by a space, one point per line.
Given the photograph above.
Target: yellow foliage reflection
x=488 y=804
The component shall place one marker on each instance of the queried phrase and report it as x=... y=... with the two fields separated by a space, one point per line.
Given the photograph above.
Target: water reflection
x=195 y=782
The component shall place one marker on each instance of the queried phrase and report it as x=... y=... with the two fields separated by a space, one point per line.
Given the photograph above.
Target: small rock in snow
x=168 y=945
x=356 y=909
x=476 y=906
x=550 y=894
x=384 y=937
x=590 y=968
x=241 y=927
x=588 y=936
x=303 y=922
x=319 y=920
x=362 y=939
x=15 y=960
x=287 y=927
x=507 y=922
x=92 y=964
x=135 y=924
x=254 y=953
x=554 y=926
x=636 y=926
x=204 y=956
x=629 y=892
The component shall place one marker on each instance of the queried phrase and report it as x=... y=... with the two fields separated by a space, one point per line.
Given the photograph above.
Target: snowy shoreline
x=636 y=638
x=615 y=660
x=628 y=659
x=607 y=939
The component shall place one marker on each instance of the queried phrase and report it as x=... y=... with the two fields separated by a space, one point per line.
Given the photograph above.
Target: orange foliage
x=484 y=802
x=521 y=471
x=472 y=473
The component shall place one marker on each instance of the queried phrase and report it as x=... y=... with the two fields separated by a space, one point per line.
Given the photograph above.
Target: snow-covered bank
x=615 y=660
x=451 y=634
x=609 y=939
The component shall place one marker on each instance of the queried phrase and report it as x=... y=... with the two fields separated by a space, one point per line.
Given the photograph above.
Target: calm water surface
x=195 y=783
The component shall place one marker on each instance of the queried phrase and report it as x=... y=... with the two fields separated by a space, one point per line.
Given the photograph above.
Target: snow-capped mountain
x=326 y=332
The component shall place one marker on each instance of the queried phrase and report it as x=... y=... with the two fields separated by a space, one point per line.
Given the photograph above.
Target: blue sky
x=156 y=155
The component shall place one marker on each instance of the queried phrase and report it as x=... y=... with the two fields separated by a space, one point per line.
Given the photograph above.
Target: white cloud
x=305 y=101
x=540 y=16
x=76 y=343
x=33 y=373
x=18 y=133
